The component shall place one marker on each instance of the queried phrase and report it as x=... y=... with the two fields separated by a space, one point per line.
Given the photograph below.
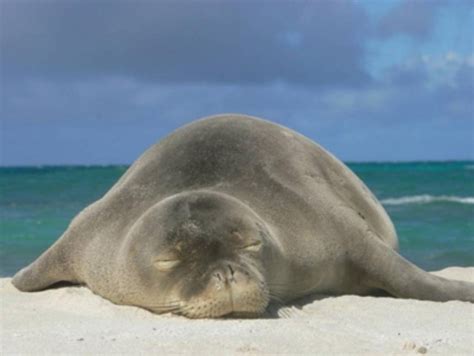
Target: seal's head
x=198 y=254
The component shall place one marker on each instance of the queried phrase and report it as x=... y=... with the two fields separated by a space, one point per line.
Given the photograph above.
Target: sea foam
x=425 y=199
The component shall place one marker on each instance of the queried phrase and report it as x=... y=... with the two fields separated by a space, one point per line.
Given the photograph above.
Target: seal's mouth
x=220 y=310
x=230 y=298
x=221 y=297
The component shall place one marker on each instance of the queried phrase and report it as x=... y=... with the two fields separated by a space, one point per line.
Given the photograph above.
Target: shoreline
x=74 y=320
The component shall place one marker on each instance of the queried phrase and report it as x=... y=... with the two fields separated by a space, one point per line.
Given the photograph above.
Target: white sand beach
x=74 y=320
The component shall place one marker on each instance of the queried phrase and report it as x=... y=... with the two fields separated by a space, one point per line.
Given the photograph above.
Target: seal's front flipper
x=50 y=268
x=387 y=270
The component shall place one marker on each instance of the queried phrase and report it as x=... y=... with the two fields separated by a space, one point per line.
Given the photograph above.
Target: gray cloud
x=417 y=18
x=99 y=81
x=307 y=42
x=434 y=87
x=421 y=109
x=409 y=17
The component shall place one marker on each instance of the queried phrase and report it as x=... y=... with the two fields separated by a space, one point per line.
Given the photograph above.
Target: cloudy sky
x=97 y=82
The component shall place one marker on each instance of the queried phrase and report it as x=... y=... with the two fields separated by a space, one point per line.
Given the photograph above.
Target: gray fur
x=321 y=229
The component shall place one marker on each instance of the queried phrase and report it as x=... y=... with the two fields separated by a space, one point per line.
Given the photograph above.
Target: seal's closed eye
x=166 y=261
x=246 y=243
x=166 y=264
x=253 y=246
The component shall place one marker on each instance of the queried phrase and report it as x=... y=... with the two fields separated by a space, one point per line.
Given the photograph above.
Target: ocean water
x=431 y=204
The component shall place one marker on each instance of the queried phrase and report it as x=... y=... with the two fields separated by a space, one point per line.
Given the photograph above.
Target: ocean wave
x=425 y=199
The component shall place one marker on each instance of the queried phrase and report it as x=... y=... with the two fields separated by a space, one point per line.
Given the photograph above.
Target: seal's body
x=226 y=214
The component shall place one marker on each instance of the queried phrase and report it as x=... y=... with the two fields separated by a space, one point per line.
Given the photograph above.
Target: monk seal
x=227 y=214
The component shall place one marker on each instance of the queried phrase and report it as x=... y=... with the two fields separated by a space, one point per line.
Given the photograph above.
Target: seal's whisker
x=158 y=310
x=163 y=307
x=283 y=313
x=162 y=311
x=276 y=298
x=278 y=291
x=183 y=310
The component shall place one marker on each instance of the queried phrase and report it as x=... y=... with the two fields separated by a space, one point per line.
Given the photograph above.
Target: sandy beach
x=74 y=320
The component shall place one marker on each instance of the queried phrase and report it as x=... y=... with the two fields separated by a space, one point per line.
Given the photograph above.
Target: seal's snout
x=230 y=289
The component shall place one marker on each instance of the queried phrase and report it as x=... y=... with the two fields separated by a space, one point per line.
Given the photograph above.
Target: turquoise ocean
x=430 y=203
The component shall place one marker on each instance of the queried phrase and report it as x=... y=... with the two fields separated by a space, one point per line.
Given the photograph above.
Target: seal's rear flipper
x=50 y=268
x=387 y=270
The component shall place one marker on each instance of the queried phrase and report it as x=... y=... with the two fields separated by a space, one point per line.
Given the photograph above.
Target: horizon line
x=103 y=165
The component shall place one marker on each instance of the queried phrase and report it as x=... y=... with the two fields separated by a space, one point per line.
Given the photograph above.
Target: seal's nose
x=226 y=275
x=230 y=274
